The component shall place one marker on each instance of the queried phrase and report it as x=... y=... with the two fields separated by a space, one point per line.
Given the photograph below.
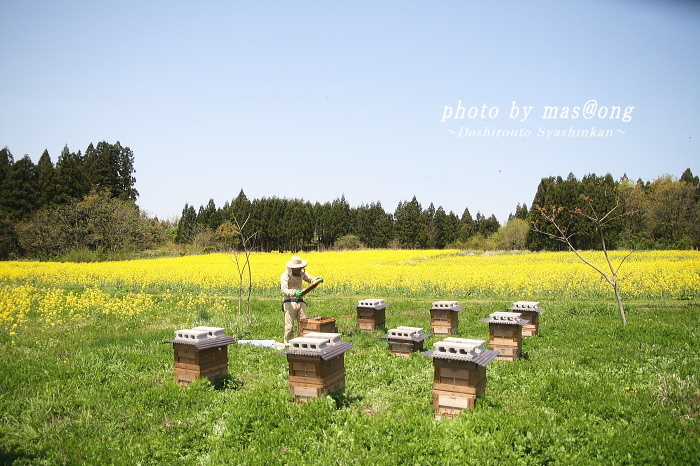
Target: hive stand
x=459 y=375
x=371 y=314
x=316 y=365
x=444 y=317
x=405 y=340
x=200 y=352
x=529 y=310
x=506 y=334
x=317 y=324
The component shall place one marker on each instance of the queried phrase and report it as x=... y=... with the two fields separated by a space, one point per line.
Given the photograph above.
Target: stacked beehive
x=459 y=375
x=529 y=310
x=405 y=340
x=506 y=334
x=200 y=352
x=317 y=324
x=444 y=317
x=371 y=314
x=316 y=364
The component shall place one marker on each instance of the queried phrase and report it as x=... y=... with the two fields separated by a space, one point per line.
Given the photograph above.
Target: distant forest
x=84 y=208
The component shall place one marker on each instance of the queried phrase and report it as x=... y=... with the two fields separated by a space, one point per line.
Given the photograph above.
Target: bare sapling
x=247 y=243
x=556 y=215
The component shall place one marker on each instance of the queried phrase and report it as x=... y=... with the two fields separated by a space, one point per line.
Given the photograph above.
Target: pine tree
x=240 y=211
x=374 y=226
x=411 y=229
x=19 y=193
x=46 y=180
x=6 y=161
x=467 y=226
x=187 y=225
x=71 y=178
x=111 y=167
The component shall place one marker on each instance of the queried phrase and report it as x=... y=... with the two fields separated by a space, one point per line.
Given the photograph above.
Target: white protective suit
x=294 y=308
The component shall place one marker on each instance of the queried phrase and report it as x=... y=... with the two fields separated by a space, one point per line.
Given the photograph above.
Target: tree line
x=665 y=214
x=662 y=214
x=88 y=201
x=84 y=200
x=295 y=224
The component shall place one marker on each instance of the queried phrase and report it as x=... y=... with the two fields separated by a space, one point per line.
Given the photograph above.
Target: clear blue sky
x=315 y=100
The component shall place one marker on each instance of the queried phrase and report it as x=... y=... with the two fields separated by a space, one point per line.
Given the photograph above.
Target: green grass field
x=586 y=391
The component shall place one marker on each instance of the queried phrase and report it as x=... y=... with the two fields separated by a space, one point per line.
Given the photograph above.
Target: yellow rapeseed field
x=54 y=293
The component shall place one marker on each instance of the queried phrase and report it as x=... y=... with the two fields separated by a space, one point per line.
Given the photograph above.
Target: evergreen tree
x=521 y=213
x=467 y=226
x=444 y=231
x=341 y=220
x=19 y=194
x=322 y=218
x=240 y=210
x=125 y=171
x=8 y=240
x=101 y=168
x=258 y=223
x=428 y=217
x=298 y=227
x=111 y=167
x=71 y=178
x=275 y=217
x=374 y=226
x=187 y=225
x=46 y=180
x=687 y=177
x=488 y=226
x=208 y=216
x=411 y=229
x=6 y=161
x=545 y=198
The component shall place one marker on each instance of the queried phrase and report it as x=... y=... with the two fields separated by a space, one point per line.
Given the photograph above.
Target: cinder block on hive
x=460 y=346
x=308 y=343
x=372 y=303
x=191 y=335
x=529 y=310
x=505 y=316
x=333 y=338
x=212 y=332
x=405 y=332
x=447 y=305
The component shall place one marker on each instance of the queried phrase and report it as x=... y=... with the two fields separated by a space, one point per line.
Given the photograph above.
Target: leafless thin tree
x=557 y=216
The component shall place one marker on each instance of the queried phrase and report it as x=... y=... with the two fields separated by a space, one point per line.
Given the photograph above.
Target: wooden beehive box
x=506 y=334
x=529 y=310
x=444 y=317
x=371 y=314
x=403 y=340
x=316 y=365
x=459 y=374
x=200 y=352
x=317 y=324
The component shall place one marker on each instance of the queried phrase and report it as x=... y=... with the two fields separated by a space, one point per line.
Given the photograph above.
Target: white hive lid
x=191 y=335
x=331 y=338
x=505 y=316
x=526 y=306
x=448 y=305
x=374 y=303
x=460 y=346
x=405 y=332
x=308 y=344
x=212 y=332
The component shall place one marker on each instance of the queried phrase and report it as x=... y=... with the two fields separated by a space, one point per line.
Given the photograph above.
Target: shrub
x=348 y=242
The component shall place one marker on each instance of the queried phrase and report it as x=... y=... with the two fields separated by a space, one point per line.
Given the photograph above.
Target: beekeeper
x=291 y=284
